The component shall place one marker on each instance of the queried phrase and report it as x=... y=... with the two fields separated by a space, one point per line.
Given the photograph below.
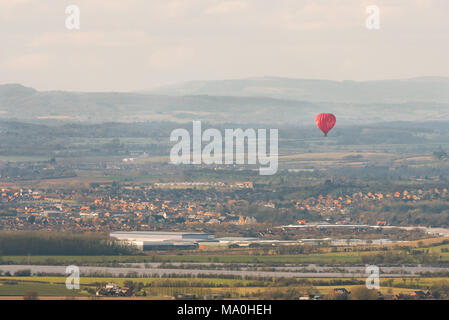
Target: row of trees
x=51 y=243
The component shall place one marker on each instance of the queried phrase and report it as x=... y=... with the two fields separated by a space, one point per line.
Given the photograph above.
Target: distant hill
x=414 y=102
x=21 y=103
x=14 y=91
x=431 y=89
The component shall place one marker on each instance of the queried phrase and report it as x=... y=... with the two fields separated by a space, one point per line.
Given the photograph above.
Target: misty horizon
x=156 y=87
x=147 y=44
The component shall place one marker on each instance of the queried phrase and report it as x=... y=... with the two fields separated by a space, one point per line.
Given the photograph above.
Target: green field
x=422 y=252
x=354 y=257
x=43 y=289
x=326 y=258
x=233 y=288
x=215 y=282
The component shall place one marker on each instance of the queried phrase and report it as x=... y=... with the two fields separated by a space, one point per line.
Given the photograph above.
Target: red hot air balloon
x=325 y=121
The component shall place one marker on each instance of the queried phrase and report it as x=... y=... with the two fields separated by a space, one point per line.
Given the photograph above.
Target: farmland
x=344 y=256
x=59 y=203
x=166 y=288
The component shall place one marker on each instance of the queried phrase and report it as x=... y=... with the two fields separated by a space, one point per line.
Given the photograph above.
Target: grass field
x=354 y=257
x=156 y=281
x=168 y=287
x=334 y=258
x=43 y=289
x=325 y=258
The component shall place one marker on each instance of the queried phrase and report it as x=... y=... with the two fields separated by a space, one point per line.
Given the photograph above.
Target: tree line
x=57 y=243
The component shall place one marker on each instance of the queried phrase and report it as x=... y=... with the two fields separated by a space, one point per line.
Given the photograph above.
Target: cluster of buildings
x=114 y=290
x=109 y=207
x=343 y=203
x=127 y=208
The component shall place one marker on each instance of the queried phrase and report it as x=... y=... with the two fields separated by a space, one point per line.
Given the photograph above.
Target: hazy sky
x=140 y=44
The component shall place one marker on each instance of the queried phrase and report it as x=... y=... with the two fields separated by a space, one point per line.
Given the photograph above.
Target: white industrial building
x=159 y=240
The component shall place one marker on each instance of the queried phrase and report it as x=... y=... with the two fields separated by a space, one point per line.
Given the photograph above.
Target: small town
x=108 y=207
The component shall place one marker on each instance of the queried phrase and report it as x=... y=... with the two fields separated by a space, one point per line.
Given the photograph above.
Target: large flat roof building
x=160 y=239
x=162 y=236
